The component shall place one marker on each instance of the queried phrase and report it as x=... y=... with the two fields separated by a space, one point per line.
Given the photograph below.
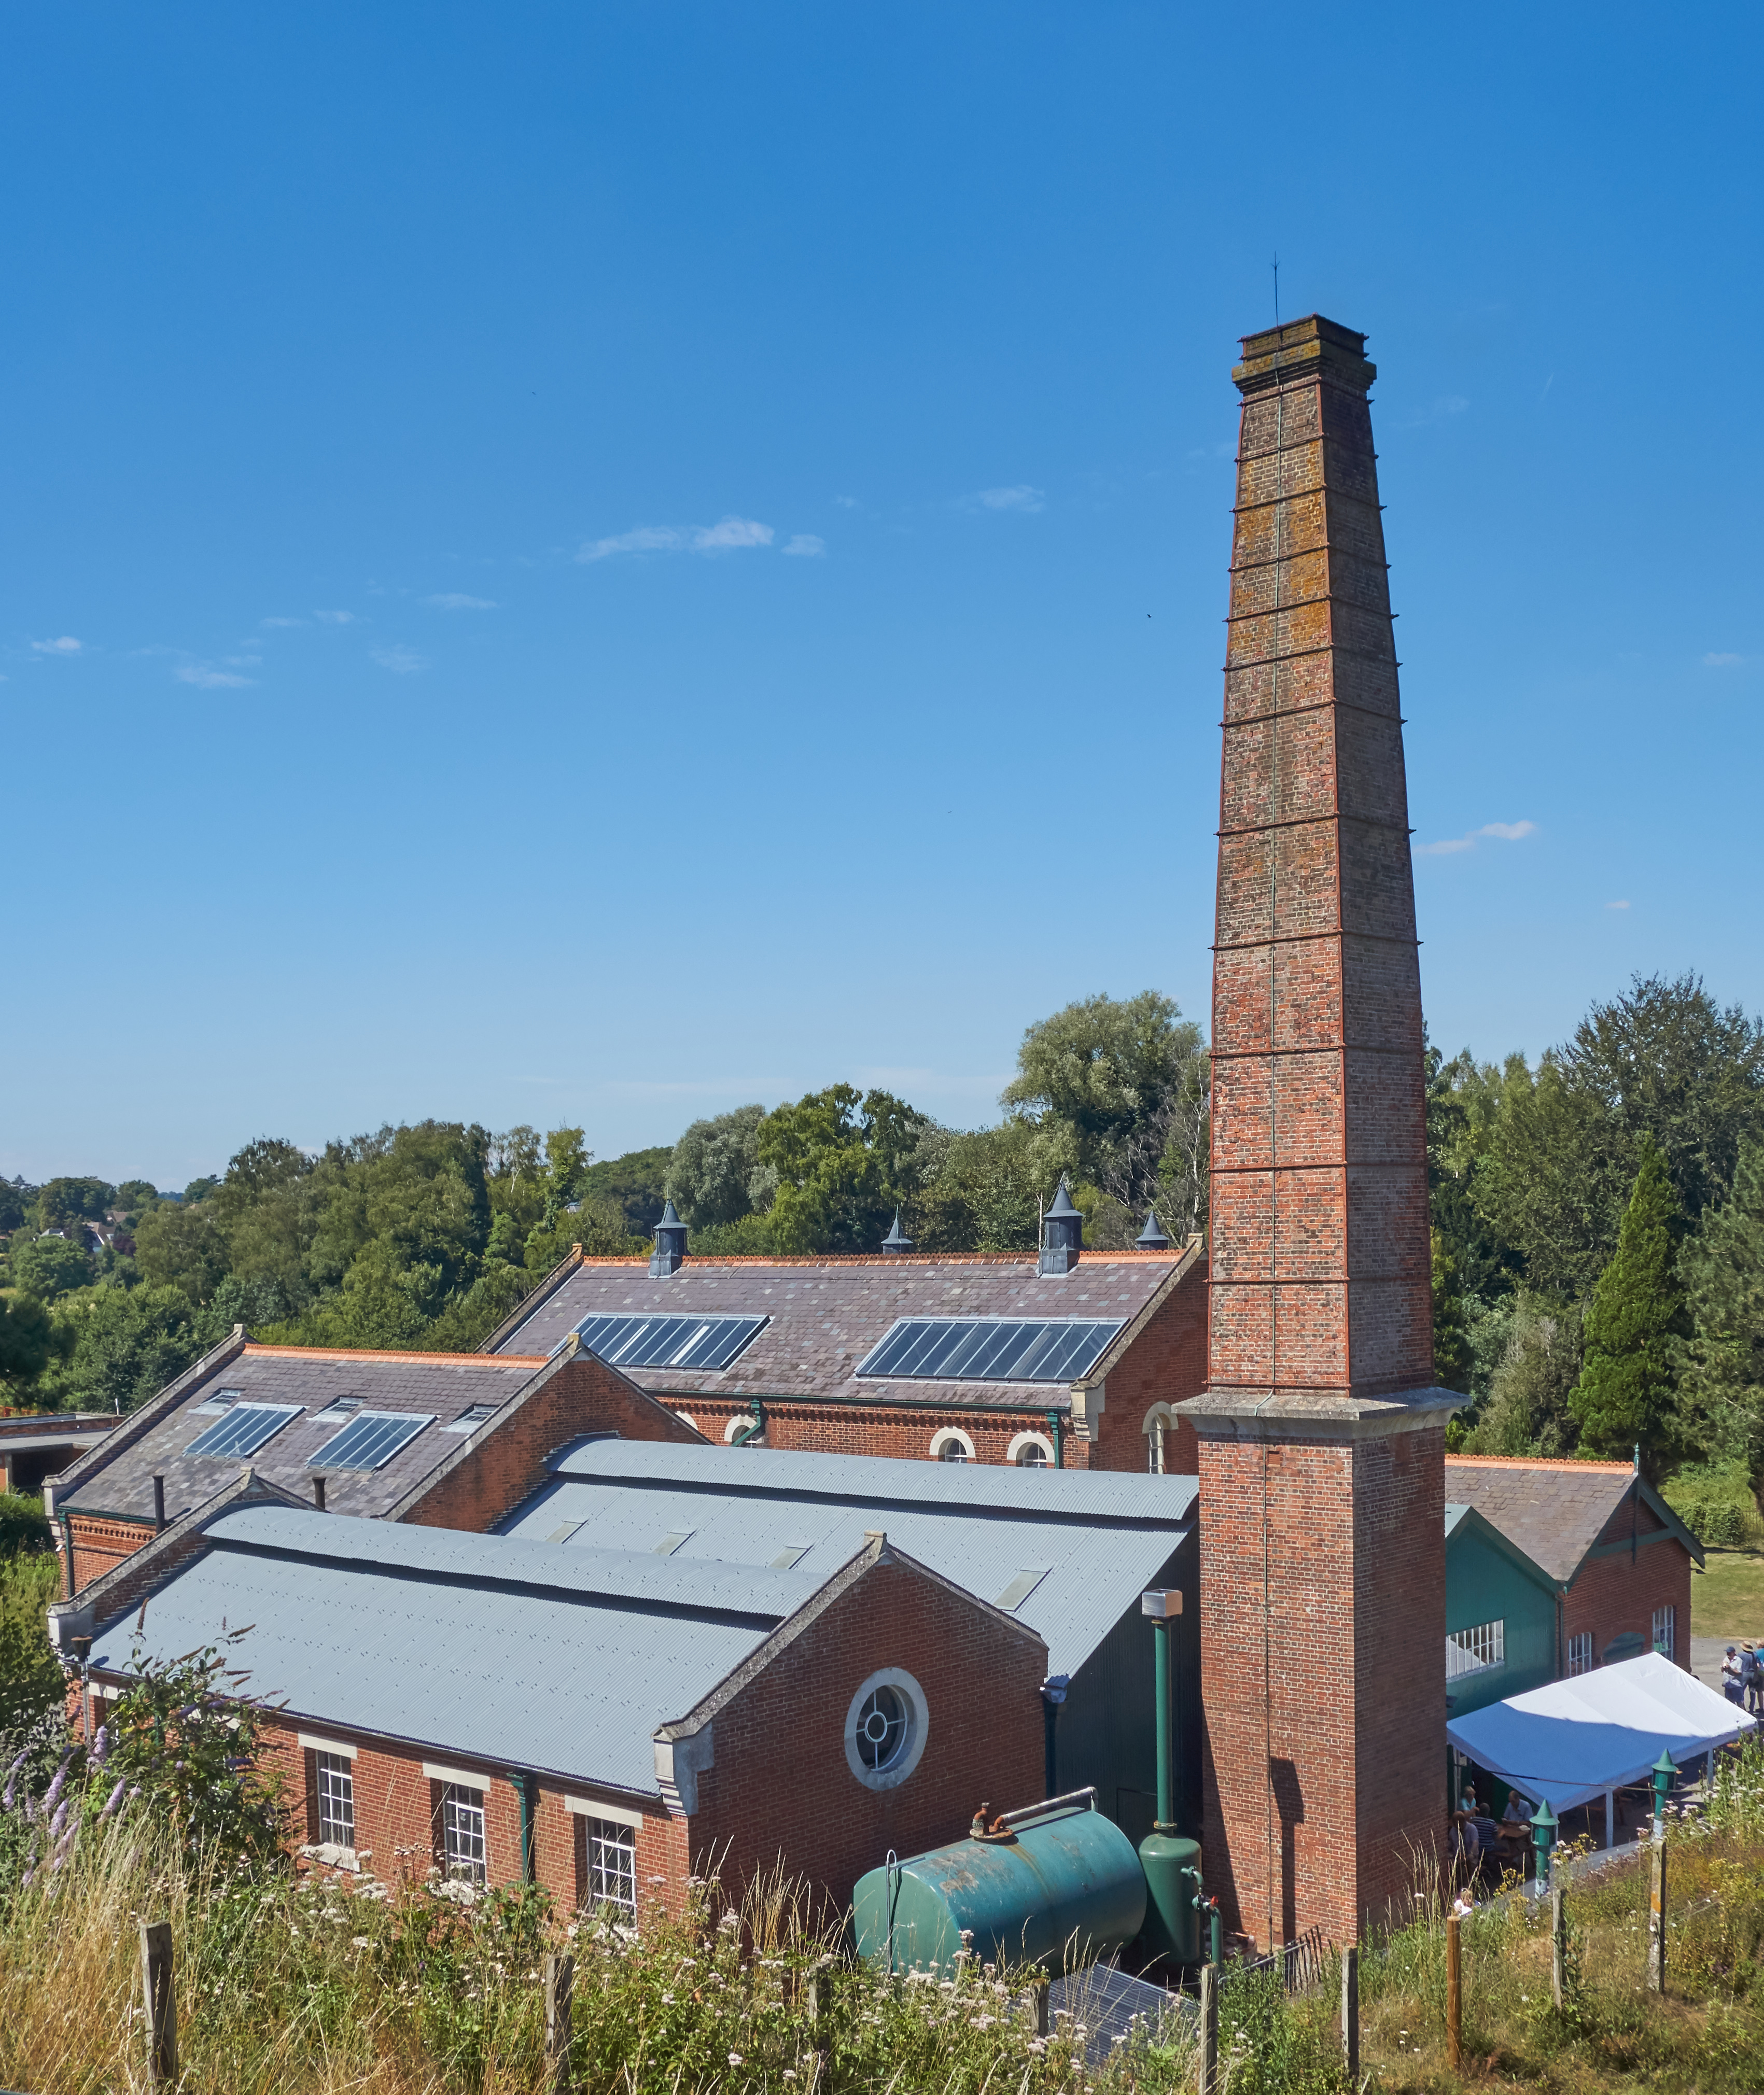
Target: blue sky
x=593 y=563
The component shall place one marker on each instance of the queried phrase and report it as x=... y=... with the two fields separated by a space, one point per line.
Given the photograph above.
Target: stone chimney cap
x=1298 y=350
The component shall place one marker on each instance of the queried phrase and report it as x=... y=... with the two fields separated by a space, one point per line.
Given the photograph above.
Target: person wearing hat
x=1751 y=1675
x=1730 y=1675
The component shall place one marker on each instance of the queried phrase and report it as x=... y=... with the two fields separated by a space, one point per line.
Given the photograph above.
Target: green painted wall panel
x=1483 y=1586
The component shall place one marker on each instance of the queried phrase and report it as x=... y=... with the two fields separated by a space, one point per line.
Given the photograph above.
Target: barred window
x=462 y=1833
x=336 y=1785
x=1475 y=1651
x=1580 y=1653
x=611 y=1876
x=1664 y=1626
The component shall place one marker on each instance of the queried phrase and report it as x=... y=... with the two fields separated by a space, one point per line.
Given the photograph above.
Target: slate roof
x=1556 y=1511
x=507 y=1653
x=827 y=1313
x=116 y=1477
x=1098 y=1538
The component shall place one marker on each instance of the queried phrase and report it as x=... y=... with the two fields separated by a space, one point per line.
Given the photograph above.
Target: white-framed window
x=1030 y=1451
x=609 y=1866
x=1580 y=1653
x=949 y=1444
x=334 y=1780
x=462 y=1854
x=886 y=1728
x=1475 y=1650
x=1665 y=1630
x=685 y=1418
x=1158 y=1424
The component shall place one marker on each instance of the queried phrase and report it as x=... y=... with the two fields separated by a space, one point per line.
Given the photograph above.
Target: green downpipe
x=524 y=1786
x=1055 y=1427
x=1172 y=1932
x=66 y=1550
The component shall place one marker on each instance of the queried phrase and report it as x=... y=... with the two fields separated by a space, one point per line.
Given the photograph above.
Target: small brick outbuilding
x=601 y=1721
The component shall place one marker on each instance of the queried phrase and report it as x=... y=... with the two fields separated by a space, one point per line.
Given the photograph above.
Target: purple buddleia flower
x=59 y=1784
x=12 y=1778
x=60 y=1818
x=101 y=1746
x=115 y=1798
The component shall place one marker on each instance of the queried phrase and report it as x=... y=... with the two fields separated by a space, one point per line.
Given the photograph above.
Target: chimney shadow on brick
x=1289 y=1806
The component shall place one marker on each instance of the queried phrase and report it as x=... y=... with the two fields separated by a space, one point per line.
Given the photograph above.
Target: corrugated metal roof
x=444 y=1386
x=1100 y=1537
x=824 y=1318
x=487 y=1649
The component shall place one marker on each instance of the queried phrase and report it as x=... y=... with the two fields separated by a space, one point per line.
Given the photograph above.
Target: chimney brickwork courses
x=1320 y=1435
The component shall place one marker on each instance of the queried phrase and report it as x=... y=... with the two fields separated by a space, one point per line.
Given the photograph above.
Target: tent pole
x=1611 y=1829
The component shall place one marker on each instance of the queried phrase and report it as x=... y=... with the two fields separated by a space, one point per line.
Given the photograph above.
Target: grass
x=1727 y=1597
x=304 y=1987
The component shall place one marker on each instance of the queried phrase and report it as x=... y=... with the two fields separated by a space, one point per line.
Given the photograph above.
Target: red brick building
x=1618 y=1557
x=437 y=1440
x=1321 y=1432
x=601 y=1721
x=822 y=1347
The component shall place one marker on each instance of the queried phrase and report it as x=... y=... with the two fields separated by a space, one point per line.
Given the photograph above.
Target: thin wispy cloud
x=335 y=617
x=1723 y=661
x=1617 y=905
x=1448 y=847
x=806 y=546
x=1441 y=410
x=453 y=600
x=401 y=661
x=1027 y=500
x=732 y=535
x=846 y=501
x=207 y=678
x=281 y=621
x=65 y=645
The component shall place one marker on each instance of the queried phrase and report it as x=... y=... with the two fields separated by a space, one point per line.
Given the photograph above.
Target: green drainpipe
x=1059 y=1439
x=751 y=1432
x=1172 y=1931
x=66 y=1550
x=524 y=1785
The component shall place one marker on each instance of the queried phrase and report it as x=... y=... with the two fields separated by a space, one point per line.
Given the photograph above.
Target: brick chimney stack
x=1321 y=1436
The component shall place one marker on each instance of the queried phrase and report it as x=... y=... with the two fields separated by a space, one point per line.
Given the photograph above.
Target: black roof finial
x=1151 y=1238
x=896 y=1240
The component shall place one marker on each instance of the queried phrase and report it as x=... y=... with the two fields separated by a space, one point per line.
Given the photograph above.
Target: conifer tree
x=1633 y=1327
x=1720 y=1385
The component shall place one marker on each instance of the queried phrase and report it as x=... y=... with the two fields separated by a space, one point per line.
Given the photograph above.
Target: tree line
x=425 y=1236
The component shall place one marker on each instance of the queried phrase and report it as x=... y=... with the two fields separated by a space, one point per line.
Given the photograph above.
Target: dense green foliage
x=1634 y=1325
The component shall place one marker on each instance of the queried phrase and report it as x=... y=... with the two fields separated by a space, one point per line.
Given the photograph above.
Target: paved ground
x=1705 y=1659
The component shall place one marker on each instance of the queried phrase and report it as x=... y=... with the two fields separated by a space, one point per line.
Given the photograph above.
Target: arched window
x=687 y=1418
x=1160 y=1423
x=950 y=1444
x=1031 y=1451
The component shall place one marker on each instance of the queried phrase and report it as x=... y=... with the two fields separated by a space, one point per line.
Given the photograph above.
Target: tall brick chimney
x=1320 y=1435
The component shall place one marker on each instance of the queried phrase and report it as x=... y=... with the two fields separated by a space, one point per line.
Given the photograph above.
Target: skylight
x=371 y=1439
x=989 y=1349
x=468 y=1422
x=244 y=1429
x=339 y=1408
x=216 y=1401
x=668 y=1342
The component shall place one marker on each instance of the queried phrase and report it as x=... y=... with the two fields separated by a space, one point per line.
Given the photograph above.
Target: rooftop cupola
x=670 y=1245
x=897 y=1239
x=1062 y=1234
x=1151 y=1238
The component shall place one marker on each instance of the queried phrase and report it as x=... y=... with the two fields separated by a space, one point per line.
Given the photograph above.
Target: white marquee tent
x=1580 y=1738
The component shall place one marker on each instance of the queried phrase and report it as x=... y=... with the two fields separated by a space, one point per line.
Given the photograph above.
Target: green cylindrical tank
x=1058 y=1885
x=1172 y=1866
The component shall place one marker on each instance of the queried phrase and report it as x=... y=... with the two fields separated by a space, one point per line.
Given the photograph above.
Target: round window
x=881 y=1729
x=886 y=1728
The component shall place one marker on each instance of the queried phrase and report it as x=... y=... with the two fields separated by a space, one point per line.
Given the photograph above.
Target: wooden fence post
x=1042 y=2020
x=560 y=1990
x=1209 y=2081
x=1454 y=1992
x=1558 y=1936
x=1657 y=1919
x=161 y=2003
x=1350 y=2012
x=820 y=2011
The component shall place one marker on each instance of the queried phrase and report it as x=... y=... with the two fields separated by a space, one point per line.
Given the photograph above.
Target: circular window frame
x=941 y=1439
x=918 y=1728
x=1014 y=1453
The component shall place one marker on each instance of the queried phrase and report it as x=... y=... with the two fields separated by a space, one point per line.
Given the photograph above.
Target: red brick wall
x=99 y=1546
x=1166 y=1362
x=780 y=1785
x=484 y=1482
x=1612 y=1594
x=881 y=1429
x=1323 y=1712
x=398 y=1819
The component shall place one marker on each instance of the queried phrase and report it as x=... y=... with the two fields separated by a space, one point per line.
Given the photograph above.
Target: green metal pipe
x=524 y=1785
x=1166 y=1772
x=1055 y=1427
